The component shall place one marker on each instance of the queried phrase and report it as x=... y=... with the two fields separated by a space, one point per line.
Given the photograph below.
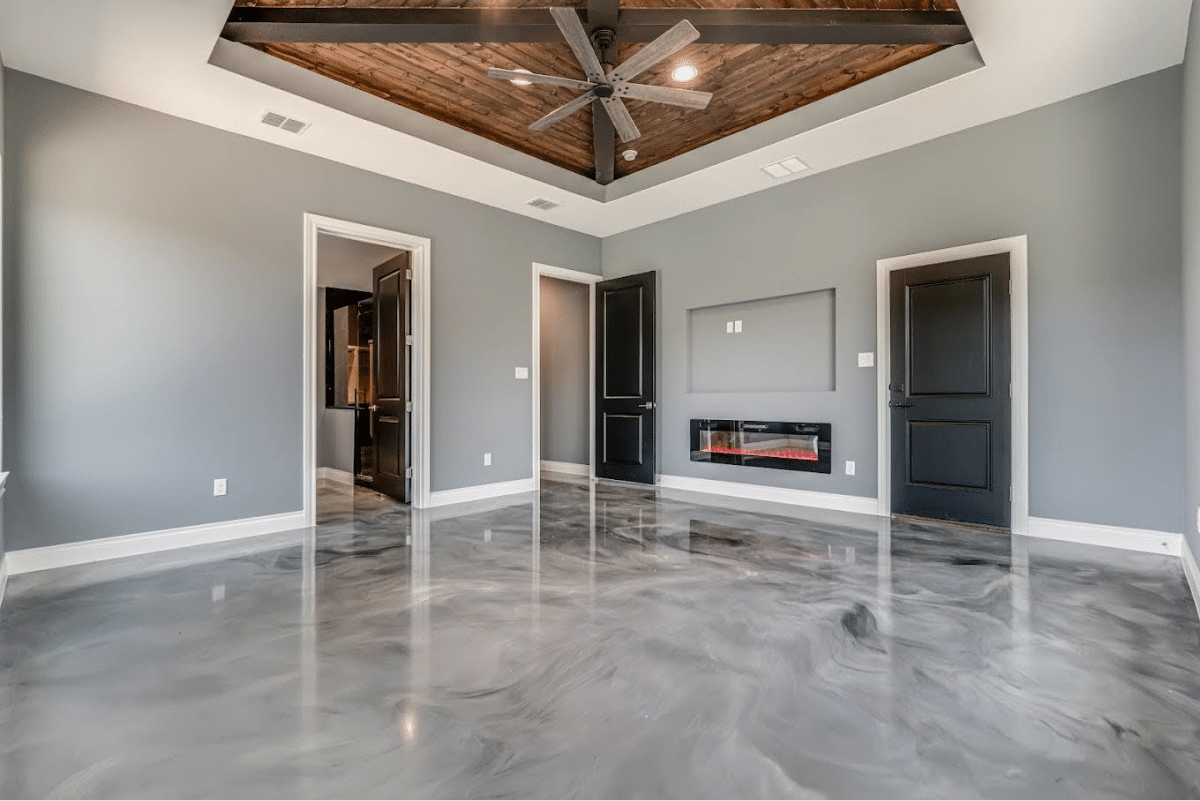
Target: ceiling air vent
x=543 y=204
x=277 y=120
x=785 y=167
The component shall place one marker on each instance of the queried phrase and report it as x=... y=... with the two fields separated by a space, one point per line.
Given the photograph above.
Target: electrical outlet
x=849 y=468
x=487 y=460
x=729 y=327
x=220 y=487
x=523 y=373
x=866 y=359
x=218 y=593
x=737 y=326
x=487 y=535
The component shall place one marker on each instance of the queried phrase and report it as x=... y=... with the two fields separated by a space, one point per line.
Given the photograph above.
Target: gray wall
x=564 y=343
x=152 y=323
x=335 y=427
x=1191 y=274
x=1093 y=181
x=3 y=257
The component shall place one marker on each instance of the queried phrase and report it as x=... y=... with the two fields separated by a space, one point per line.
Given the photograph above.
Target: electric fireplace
x=752 y=443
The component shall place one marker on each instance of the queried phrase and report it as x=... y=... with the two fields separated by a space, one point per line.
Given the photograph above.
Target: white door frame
x=419 y=249
x=535 y=367
x=1017 y=248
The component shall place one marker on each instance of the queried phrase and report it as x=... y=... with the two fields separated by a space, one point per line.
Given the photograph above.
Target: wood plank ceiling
x=751 y=83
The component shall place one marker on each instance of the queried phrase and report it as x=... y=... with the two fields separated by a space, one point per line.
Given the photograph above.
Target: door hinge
x=408 y=274
x=408 y=472
x=408 y=339
x=408 y=406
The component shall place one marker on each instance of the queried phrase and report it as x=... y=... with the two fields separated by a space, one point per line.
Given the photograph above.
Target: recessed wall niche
x=779 y=344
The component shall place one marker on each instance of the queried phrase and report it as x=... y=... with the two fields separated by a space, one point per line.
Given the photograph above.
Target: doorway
x=952 y=338
x=563 y=369
x=379 y=402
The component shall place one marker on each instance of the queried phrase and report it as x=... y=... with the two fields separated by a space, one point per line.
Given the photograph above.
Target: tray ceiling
x=751 y=83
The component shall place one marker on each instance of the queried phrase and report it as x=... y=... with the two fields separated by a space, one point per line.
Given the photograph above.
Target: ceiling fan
x=610 y=87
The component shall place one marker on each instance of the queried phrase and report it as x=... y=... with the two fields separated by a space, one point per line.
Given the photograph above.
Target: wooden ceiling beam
x=406 y=25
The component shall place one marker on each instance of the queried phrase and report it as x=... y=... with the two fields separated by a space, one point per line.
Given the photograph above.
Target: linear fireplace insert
x=754 y=443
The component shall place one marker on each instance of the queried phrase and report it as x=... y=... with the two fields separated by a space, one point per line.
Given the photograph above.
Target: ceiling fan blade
x=682 y=34
x=626 y=129
x=533 y=77
x=562 y=112
x=666 y=94
x=572 y=30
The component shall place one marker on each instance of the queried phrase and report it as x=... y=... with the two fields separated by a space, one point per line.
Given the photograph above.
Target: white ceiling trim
x=154 y=53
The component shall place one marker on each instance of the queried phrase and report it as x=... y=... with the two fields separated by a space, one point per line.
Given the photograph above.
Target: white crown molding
x=29 y=560
x=758 y=492
x=1128 y=539
x=482 y=492
x=566 y=468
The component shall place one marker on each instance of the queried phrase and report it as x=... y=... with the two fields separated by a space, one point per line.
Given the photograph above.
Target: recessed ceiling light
x=518 y=81
x=684 y=73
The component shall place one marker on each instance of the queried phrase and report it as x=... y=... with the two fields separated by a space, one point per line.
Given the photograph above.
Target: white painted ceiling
x=154 y=53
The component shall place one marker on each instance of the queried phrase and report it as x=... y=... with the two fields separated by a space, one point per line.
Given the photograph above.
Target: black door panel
x=625 y=398
x=389 y=417
x=950 y=404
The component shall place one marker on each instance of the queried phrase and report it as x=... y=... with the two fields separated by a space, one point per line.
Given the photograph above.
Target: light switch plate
x=737 y=326
x=866 y=360
x=487 y=460
x=849 y=468
x=523 y=373
x=220 y=486
x=729 y=327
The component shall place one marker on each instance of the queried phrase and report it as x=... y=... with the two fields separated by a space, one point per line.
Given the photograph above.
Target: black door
x=389 y=415
x=625 y=378
x=950 y=391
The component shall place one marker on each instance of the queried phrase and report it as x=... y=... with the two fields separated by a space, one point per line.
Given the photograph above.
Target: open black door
x=625 y=397
x=950 y=391
x=389 y=415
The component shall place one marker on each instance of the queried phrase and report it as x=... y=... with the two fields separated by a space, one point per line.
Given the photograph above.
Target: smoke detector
x=283 y=122
x=542 y=204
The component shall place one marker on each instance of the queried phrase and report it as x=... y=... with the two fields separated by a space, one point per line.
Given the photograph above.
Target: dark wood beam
x=332 y=24
x=604 y=14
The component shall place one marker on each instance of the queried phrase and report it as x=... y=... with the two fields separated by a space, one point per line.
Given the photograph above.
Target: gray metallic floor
x=604 y=642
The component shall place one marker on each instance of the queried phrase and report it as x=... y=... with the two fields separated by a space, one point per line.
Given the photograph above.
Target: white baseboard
x=1129 y=539
x=3 y=577
x=1191 y=569
x=757 y=492
x=482 y=492
x=333 y=474
x=29 y=560
x=566 y=468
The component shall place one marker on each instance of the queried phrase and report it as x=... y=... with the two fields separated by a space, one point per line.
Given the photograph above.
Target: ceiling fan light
x=518 y=81
x=684 y=73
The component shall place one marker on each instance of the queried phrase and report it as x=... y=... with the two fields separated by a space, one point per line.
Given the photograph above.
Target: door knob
x=646 y=405
x=373 y=407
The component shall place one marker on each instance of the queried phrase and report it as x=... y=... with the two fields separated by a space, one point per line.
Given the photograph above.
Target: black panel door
x=625 y=396
x=389 y=415
x=950 y=391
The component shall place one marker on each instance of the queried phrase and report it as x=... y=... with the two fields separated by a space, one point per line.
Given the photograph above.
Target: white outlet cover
x=849 y=468
x=523 y=373
x=220 y=486
x=487 y=535
x=737 y=326
x=866 y=360
x=487 y=460
x=218 y=593
x=729 y=327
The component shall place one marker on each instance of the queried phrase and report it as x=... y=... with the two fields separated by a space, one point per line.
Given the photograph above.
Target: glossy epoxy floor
x=604 y=643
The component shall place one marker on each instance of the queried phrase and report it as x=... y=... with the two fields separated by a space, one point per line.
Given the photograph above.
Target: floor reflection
x=600 y=640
